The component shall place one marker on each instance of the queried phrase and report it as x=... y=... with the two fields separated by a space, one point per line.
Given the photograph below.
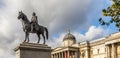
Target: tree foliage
x=112 y=11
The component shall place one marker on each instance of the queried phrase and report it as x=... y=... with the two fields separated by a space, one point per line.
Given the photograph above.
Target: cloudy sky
x=80 y=16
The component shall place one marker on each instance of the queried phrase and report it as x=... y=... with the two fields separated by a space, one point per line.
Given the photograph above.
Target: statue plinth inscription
x=33 y=50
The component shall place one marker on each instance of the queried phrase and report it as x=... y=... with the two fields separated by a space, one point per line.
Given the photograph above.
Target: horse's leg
x=43 y=38
x=25 y=37
x=38 y=37
x=28 y=37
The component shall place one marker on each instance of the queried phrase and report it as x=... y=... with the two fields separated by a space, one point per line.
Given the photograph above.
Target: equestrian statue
x=32 y=27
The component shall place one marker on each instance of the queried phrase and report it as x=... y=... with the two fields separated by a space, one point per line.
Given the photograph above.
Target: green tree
x=112 y=11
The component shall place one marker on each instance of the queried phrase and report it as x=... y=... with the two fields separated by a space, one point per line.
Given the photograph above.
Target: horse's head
x=20 y=15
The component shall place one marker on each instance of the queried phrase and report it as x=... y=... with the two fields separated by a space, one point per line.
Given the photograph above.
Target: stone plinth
x=32 y=50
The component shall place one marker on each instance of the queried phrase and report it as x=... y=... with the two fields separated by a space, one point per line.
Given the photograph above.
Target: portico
x=68 y=52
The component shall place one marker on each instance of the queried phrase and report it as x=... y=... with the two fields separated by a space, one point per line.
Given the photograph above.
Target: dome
x=69 y=39
x=69 y=36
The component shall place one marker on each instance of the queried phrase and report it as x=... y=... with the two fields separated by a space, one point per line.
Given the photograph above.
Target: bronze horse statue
x=27 y=28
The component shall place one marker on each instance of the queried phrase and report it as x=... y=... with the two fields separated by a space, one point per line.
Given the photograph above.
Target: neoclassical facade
x=107 y=47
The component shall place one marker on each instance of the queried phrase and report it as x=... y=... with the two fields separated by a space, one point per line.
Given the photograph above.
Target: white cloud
x=92 y=33
x=5 y=24
x=95 y=32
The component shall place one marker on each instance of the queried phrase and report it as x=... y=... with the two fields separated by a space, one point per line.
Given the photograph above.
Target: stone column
x=52 y=56
x=63 y=54
x=32 y=50
x=87 y=53
x=59 y=55
x=76 y=54
x=113 y=51
x=71 y=54
x=108 y=51
x=56 y=55
x=116 y=50
x=68 y=54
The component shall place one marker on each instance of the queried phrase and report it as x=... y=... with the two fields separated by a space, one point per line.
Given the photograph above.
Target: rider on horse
x=34 y=22
x=33 y=27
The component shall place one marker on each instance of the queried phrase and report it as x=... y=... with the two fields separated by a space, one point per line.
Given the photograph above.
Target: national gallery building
x=107 y=47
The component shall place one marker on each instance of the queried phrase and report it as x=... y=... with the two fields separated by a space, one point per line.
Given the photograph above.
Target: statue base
x=33 y=50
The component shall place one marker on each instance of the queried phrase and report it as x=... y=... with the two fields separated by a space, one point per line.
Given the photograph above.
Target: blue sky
x=80 y=16
x=96 y=13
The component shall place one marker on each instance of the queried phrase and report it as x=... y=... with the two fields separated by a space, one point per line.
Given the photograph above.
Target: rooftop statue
x=32 y=27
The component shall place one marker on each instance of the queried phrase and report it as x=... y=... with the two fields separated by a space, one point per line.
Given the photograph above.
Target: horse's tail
x=46 y=32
